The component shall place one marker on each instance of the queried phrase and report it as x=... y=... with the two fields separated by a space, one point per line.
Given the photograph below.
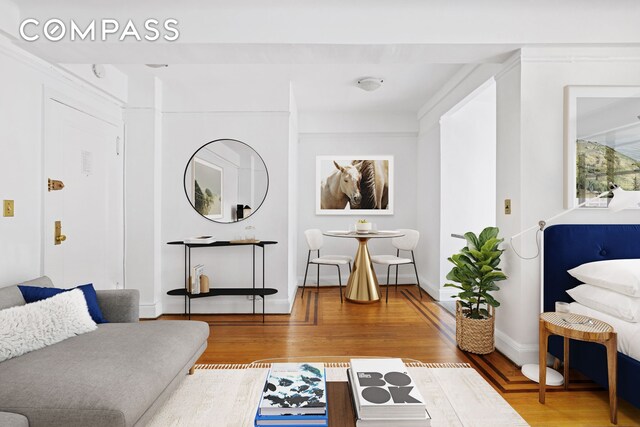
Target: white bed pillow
x=619 y=275
x=621 y=306
x=34 y=326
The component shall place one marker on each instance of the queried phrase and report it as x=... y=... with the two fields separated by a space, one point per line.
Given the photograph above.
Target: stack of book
x=295 y=394
x=196 y=272
x=384 y=394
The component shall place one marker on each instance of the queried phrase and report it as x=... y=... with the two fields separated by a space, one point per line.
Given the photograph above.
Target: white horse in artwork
x=341 y=187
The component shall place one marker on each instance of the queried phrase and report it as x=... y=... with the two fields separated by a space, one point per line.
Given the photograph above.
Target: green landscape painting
x=597 y=165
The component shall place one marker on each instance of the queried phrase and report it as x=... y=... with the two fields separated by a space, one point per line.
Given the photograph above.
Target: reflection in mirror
x=607 y=146
x=602 y=142
x=226 y=181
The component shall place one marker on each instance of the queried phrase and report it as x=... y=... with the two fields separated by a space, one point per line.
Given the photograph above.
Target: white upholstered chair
x=406 y=243
x=315 y=242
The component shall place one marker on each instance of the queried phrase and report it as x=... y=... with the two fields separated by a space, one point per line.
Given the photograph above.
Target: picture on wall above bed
x=602 y=142
x=207 y=188
x=354 y=185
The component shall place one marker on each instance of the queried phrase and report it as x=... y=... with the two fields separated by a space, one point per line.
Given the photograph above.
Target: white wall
x=467 y=171
x=357 y=134
x=530 y=169
x=429 y=157
x=23 y=78
x=187 y=124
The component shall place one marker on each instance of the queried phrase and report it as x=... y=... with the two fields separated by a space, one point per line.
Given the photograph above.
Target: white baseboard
x=518 y=353
x=438 y=293
x=150 y=311
x=228 y=305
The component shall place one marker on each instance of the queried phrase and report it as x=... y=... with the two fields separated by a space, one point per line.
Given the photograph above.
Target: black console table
x=253 y=291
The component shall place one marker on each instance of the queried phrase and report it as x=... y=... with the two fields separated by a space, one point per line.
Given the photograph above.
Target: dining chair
x=315 y=242
x=406 y=243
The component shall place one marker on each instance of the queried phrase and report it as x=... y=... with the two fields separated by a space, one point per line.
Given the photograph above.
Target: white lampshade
x=624 y=199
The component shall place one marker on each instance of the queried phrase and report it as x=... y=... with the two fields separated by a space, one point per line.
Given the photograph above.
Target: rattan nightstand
x=583 y=328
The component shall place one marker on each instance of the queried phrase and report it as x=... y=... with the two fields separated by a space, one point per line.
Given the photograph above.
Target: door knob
x=58 y=237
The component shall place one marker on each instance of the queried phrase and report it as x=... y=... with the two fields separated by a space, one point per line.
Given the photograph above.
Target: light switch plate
x=507 y=206
x=8 y=208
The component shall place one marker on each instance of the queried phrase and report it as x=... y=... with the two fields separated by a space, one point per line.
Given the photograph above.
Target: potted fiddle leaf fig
x=475 y=273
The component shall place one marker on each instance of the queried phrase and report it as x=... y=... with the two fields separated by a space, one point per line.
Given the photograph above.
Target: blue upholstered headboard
x=570 y=245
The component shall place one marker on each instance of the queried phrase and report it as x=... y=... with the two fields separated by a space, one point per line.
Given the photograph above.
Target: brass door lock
x=54 y=185
x=58 y=236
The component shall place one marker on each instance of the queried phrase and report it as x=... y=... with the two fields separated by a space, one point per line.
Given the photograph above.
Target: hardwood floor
x=406 y=327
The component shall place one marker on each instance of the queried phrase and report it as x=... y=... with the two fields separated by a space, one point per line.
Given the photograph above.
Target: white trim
x=54 y=71
x=363 y=135
x=518 y=353
x=511 y=63
x=464 y=101
x=455 y=81
x=150 y=311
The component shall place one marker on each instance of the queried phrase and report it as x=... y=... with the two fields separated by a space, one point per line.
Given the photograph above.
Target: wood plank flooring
x=406 y=327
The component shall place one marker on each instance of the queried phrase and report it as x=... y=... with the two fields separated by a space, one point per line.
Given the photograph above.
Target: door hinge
x=117 y=145
x=54 y=185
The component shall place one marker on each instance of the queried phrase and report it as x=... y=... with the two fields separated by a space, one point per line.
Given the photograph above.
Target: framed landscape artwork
x=207 y=188
x=354 y=185
x=602 y=142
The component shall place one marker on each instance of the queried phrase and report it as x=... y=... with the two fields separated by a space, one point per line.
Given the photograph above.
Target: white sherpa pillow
x=34 y=326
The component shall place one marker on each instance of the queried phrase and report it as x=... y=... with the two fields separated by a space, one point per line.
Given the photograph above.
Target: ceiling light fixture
x=157 y=65
x=370 y=84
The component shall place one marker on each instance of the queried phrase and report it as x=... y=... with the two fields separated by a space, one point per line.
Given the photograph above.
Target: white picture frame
x=572 y=96
x=328 y=202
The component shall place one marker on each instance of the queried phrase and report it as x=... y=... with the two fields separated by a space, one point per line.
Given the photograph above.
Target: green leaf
x=472 y=240
x=488 y=233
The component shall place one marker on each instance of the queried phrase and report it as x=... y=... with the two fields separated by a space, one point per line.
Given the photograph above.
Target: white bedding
x=628 y=333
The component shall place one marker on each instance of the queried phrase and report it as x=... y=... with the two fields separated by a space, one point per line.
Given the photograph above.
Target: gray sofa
x=118 y=375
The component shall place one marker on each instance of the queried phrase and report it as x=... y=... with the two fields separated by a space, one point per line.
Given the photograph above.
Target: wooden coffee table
x=583 y=328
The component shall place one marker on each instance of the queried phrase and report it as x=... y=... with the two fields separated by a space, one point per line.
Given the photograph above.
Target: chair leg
x=304 y=282
x=340 y=282
x=349 y=268
x=417 y=278
x=397 y=267
x=387 y=297
x=318 y=286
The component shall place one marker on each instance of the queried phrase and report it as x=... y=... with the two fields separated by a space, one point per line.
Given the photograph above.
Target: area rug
x=227 y=396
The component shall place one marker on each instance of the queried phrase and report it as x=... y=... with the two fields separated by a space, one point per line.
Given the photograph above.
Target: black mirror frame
x=253 y=210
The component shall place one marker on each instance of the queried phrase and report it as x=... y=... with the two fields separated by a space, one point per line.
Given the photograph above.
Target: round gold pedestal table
x=363 y=287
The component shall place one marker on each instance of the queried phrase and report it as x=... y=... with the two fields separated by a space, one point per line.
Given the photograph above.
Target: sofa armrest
x=120 y=305
x=9 y=419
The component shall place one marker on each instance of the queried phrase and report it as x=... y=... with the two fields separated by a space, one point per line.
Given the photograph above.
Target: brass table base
x=363 y=286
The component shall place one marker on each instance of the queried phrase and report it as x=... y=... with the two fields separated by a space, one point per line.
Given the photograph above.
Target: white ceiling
x=323 y=87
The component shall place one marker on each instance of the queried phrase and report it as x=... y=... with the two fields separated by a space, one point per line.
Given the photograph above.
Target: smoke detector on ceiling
x=370 y=84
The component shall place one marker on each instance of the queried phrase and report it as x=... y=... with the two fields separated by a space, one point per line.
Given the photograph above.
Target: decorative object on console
x=42 y=323
x=354 y=185
x=476 y=270
x=223 y=178
x=204 y=283
x=200 y=239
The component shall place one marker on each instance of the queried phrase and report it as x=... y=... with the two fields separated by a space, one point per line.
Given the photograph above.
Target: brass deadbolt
x=54 y=185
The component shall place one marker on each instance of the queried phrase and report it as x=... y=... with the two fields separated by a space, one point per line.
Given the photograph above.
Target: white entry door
x=84 y=153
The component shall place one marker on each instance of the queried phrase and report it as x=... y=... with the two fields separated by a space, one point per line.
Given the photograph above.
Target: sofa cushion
x=108 y=377
x=10 y=296
x=37 y=293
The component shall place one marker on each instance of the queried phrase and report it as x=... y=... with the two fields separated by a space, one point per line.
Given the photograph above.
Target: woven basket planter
x=475 y=335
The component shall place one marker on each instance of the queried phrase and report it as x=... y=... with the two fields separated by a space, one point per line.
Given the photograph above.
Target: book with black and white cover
x=294 y=389
x=202 y=240
x=424 y=421
x=383 y=389
x=196 y=272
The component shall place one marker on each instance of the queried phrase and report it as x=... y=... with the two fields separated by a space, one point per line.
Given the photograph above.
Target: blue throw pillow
x=34 y=293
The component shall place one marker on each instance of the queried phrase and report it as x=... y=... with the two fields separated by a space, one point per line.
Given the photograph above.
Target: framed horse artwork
x=354 y=185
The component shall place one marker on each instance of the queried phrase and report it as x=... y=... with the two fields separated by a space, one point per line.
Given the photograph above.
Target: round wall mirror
x=226 y=181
